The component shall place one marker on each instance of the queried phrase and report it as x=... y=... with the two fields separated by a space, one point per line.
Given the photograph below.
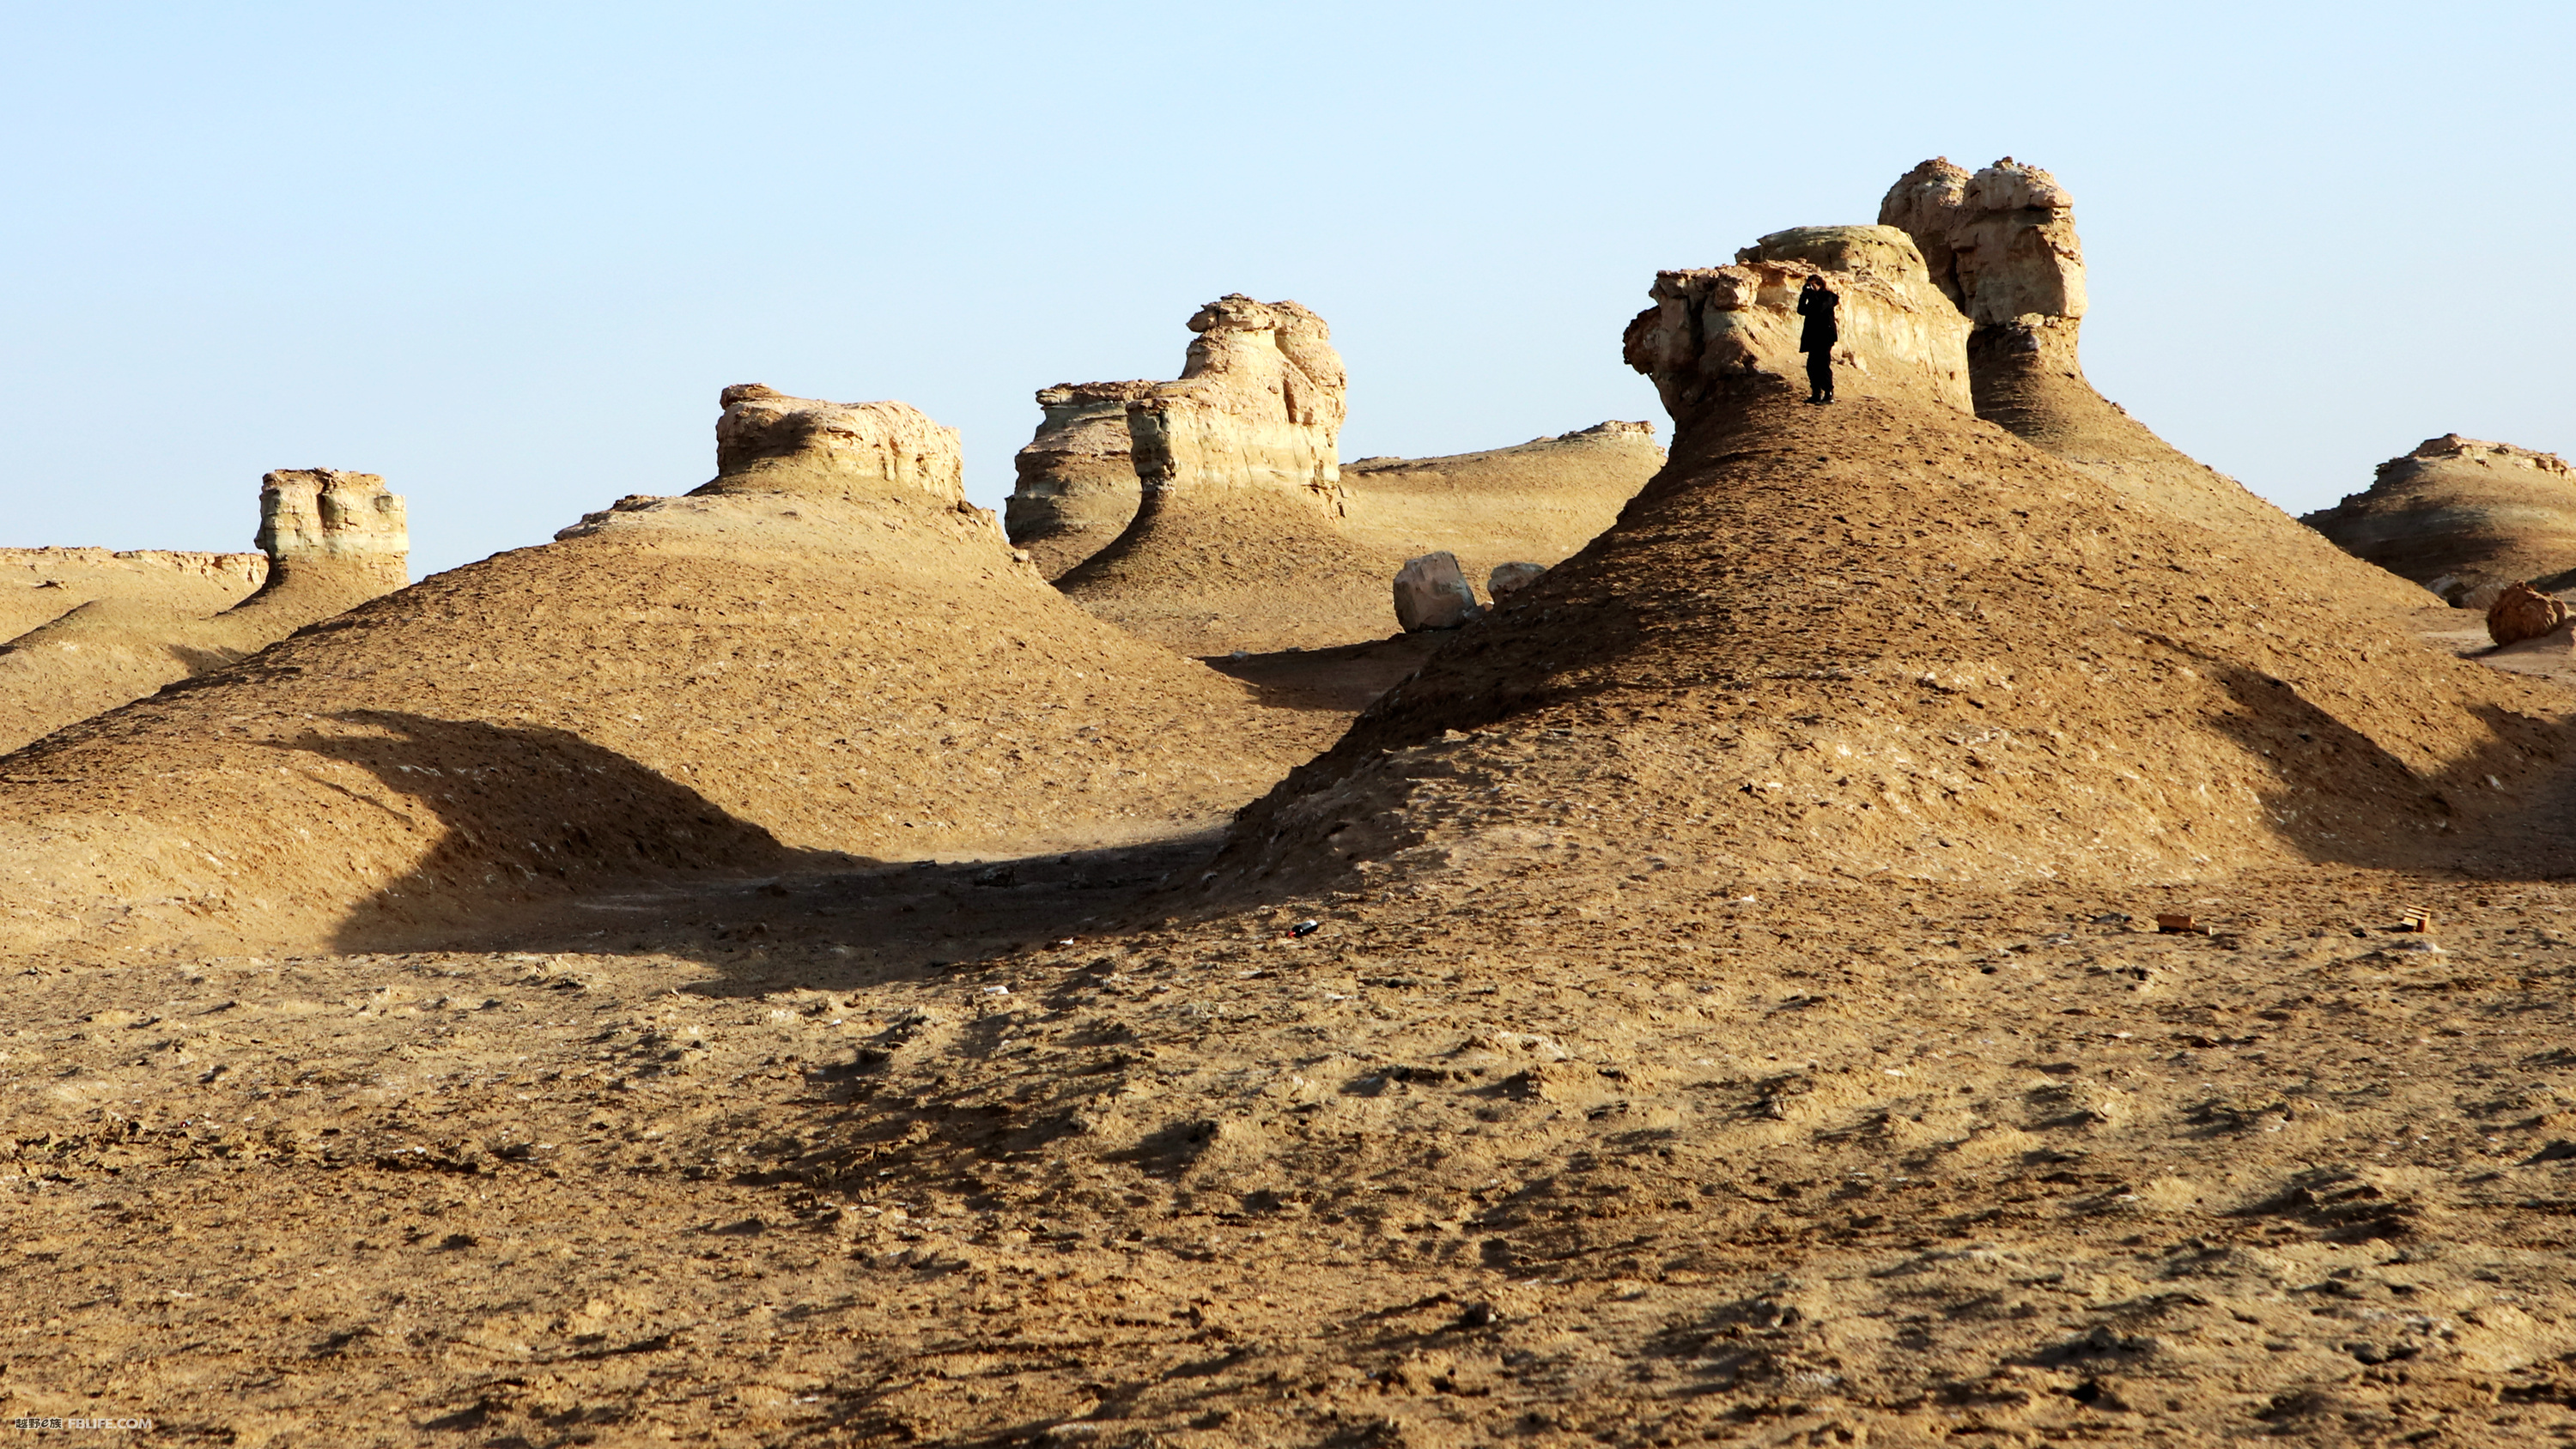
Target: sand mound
x=330 y=541
x=826 y=649
x=40 y=585
x=2461 y=517
x=1884 y=636
x=2001 y=243
x=1537 y=502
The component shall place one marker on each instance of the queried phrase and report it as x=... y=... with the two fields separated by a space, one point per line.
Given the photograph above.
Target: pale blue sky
x=507 y=255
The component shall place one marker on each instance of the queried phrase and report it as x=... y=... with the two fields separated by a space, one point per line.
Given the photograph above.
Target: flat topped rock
x=2463 y=517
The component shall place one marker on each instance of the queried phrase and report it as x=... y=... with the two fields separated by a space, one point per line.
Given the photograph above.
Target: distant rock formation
x=2000 y=243
x=1717 y=336
x=334 y=540
x=826 y=649
x=769 y=442
x=1539 y=500
x=330 y=541
x=1077 y=478
x=1236 y=540
x=40 y=585
x=2522 y=612
x=1267 y=369
x=2463 y=518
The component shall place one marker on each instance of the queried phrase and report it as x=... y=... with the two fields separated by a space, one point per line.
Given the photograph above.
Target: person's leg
x=1820 y=376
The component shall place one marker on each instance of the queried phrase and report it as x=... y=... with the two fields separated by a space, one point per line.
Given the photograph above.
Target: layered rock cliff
x=1267 y=386
x=1236 y=541
x=329 y=541
x=2463 y=518
x=2001 y=245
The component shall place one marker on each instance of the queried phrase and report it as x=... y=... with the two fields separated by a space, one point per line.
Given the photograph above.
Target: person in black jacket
x=1816 y=303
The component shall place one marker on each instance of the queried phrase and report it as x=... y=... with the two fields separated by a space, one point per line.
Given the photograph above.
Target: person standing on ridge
x=1816 y=303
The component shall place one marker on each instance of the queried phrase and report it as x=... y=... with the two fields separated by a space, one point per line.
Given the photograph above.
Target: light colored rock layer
x=769 y=442
x=321 y=519
x=1260 y=402
x=1716 y=332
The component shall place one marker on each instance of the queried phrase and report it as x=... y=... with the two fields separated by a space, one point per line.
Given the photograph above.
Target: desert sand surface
x=1535 y=502
x=1717 y=996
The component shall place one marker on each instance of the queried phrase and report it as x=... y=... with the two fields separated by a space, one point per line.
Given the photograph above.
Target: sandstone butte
x=824 y=652
x=2001 y=244
x=2463 y=518
x=1270 y=366
x=1887 y=638
x=329 y=541
x=1236 y=541
x=1079 y=487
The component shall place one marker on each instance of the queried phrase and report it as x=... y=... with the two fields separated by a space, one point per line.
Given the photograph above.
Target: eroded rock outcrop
x=2463 y=518
x=826 y=649
x=1259 y=398
x=1077 y=478
x=2001 y=245
x=1237 y=540
x=329 y=541
x=770 y=442
x=1718 y=336
x=1885 y=638
x=1540 y=500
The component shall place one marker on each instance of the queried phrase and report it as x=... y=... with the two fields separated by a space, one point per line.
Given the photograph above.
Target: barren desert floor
x=1050 y=1151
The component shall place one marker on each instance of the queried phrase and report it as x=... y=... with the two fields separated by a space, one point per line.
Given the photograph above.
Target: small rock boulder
x=1431 y=593
x=1511 y=578
x=2520 y=612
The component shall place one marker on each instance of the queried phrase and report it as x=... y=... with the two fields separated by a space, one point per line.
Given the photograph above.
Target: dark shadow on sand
x=525 y=815
x=549 y=843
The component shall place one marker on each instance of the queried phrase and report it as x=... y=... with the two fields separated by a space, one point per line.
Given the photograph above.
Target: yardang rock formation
x=1268 y=367
x=330 y=541
x=1887 y=637
x=2001 y=244
x=1236 y=541
x=825 y=649
x=2463 y=518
